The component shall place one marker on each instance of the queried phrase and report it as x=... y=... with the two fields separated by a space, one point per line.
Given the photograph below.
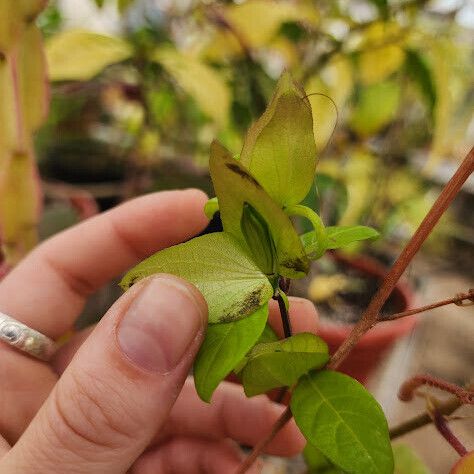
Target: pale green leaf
x=282 y=363
x=79 y=55
x=338 y=236
x=221 y=269
x=224 y=346
x=203 y=83
x=339 y=416
x=211 y=207
x=407 y=462
x=376 y=107
x=279 y=149
x=234 y=187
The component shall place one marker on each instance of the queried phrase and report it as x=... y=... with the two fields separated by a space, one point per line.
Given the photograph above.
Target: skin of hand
x=116 y=398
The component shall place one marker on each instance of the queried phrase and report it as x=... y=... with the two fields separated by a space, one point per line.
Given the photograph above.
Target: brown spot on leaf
x=296 y=264
x=242 y=173
x=245 y=307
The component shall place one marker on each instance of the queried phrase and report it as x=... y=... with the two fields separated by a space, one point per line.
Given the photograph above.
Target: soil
x=347 y=306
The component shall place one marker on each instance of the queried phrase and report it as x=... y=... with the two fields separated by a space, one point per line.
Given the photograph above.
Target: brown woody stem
x=370 y=317
x=459 y=300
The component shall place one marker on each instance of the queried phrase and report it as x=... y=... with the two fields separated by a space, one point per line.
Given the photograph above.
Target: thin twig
x=446 y=408
x=458 y=300
x=370 y=316
x=465 y=396
x=285 y=417
x=445 y=431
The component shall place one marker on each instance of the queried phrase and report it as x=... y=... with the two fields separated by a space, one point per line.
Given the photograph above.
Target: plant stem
x=285 y=417
x=465 y=396
x=457 y=300
x=446 y=408
x=285 y=318
x=423 y=419
x=370 y=316
x=445 y=431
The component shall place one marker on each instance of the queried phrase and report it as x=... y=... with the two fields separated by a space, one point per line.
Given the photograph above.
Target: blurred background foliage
x=141 y=87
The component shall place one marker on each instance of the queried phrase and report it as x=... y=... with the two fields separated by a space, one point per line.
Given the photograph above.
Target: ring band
x=25 y=339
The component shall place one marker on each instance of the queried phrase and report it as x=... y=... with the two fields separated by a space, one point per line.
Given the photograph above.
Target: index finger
x=47 y=290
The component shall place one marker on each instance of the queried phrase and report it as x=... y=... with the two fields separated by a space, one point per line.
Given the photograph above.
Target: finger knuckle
x=81 y=417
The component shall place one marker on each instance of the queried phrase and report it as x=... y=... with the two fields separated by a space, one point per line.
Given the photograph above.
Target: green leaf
x=279 y=149
x=340 y=236
x=338 y=415
x=200 y=81
x=79 y=55
x=268 y=335
x=224 y=346
x=211 y=207
x=407 y=462
x=318 y=463
x=235 y=186
x=282 y=363
x=221 y=269
x=376 y=107
x=418 y=69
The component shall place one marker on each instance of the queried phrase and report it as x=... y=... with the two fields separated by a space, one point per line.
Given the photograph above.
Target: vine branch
x=446 y=408
x=285 y=417
x=407 y=390
x=459 y=300
x=445 y=431
x=370 y=316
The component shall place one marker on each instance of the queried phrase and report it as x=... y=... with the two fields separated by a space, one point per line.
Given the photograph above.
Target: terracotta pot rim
x=385 y=332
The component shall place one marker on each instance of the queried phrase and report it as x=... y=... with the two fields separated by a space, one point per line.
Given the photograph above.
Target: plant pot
x=376 y=343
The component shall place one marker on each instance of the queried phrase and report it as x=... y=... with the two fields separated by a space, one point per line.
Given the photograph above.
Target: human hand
x=107 y=402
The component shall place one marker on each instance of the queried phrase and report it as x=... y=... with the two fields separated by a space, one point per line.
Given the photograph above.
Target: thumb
x=120 y=386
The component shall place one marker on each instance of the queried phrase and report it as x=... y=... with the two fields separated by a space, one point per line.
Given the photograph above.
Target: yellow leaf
x=8 y=132
x=33 y=81
x=336 y=82
x=79 y=55
x=259 y=20
x=199 y=80
x=11 y=24
x=359 y=176
x=381 y=57
x=18 y=205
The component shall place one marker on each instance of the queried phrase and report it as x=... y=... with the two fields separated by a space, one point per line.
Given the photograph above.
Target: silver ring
x=25 y=339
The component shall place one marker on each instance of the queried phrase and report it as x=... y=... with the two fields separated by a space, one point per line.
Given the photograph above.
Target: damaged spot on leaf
x=236 y=169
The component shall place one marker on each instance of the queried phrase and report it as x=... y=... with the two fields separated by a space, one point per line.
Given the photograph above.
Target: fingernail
x=161 y=323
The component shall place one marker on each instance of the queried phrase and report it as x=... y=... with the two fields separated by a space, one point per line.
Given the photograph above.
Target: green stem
x=317 y=223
